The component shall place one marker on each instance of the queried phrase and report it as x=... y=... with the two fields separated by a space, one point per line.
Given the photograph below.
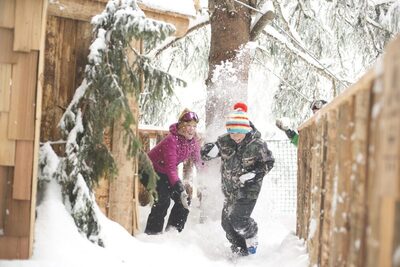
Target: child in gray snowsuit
x=245 y=160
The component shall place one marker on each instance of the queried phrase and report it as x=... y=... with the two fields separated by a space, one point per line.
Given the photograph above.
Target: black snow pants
x=178 y=214
x=236 y=220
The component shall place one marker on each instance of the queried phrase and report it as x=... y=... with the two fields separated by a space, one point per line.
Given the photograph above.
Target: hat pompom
x=238 y=121
x=240 y=105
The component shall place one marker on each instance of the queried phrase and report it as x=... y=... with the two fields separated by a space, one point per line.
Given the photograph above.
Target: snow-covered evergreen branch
x=102 y=99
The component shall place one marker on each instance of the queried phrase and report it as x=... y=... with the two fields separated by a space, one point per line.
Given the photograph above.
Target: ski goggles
x=189 y=116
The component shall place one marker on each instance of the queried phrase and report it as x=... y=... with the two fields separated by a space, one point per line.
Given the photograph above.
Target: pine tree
x=102 y=99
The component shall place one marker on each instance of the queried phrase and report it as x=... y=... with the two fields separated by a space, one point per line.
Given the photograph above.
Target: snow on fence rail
x=348 y=205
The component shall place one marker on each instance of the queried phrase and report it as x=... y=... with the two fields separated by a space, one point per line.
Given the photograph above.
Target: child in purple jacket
x=181 y=144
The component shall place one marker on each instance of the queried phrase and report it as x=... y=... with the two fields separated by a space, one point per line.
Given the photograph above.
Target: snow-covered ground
x=58 y=243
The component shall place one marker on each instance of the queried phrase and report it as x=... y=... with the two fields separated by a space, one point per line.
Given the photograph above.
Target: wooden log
x=7 y=14
x=7 y=146
x=84 y=10
x=22 y=182
x=5 y=87
x=23 y=98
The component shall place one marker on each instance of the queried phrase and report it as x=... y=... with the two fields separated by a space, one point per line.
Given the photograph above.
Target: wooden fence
x=348 y=207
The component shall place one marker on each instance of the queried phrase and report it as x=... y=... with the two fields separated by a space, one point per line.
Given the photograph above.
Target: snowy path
x=58 y=243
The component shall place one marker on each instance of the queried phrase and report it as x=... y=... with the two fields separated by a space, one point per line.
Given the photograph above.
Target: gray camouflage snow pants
x=237 y=223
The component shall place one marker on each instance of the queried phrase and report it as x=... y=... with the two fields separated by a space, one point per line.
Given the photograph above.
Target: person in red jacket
x=180 y=144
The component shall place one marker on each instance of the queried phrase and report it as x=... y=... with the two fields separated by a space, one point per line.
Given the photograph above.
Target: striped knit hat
x=237 y=121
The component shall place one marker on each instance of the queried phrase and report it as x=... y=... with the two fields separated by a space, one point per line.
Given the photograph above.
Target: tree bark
x=230 y=31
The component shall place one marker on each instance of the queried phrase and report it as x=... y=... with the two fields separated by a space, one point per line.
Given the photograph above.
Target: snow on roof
x=184 y=7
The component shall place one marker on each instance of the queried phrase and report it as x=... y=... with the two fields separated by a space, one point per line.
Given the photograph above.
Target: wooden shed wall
x=21 y=64
x=349 y=172
x=68 y=36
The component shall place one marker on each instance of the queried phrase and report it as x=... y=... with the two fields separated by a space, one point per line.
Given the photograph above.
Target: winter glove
x=209 y=151
x=247 y=178
x=290 y=133
x=282 y=124
x=179 y=194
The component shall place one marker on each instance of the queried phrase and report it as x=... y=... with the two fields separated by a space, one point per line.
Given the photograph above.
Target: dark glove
x=179 y=194
x=209 y=151
x=290 y=133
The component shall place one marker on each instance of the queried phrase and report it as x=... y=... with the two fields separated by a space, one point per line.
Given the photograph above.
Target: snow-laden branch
x=200 y=22
x=271 y=32
x=265 y=15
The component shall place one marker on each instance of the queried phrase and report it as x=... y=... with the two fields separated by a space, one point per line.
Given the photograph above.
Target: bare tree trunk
x=230 y=31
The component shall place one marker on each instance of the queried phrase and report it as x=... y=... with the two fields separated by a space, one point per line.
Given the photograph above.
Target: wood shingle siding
x=23 y=97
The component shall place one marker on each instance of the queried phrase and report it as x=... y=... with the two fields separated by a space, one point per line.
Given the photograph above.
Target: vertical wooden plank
x=64 y=68
x=341 y=197
x=317 y=156
x=27 y=25
x=358 y=196
x=330 y=187
x=38 y=114
x=7 y=13
x=14 y=248
x=7 y=55
x=4 y=174
x=7 y=146
x=373 y=198
x=23 y=98
x=23 y=170
x=388 y=167
x=387 y=231
x=5 y=86
x=303 y=177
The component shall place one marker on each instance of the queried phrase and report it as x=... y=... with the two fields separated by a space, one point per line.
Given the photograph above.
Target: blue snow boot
x=252 y=244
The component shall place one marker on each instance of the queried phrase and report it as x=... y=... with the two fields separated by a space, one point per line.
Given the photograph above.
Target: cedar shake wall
x=21 y=64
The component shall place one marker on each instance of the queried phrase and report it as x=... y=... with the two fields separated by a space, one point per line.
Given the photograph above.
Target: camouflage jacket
x=250 y=155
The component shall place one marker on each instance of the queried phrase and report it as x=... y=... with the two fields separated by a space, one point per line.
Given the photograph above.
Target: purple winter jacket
x=171 y=151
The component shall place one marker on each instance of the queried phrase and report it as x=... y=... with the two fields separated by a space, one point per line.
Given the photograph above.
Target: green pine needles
x=116 y=71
